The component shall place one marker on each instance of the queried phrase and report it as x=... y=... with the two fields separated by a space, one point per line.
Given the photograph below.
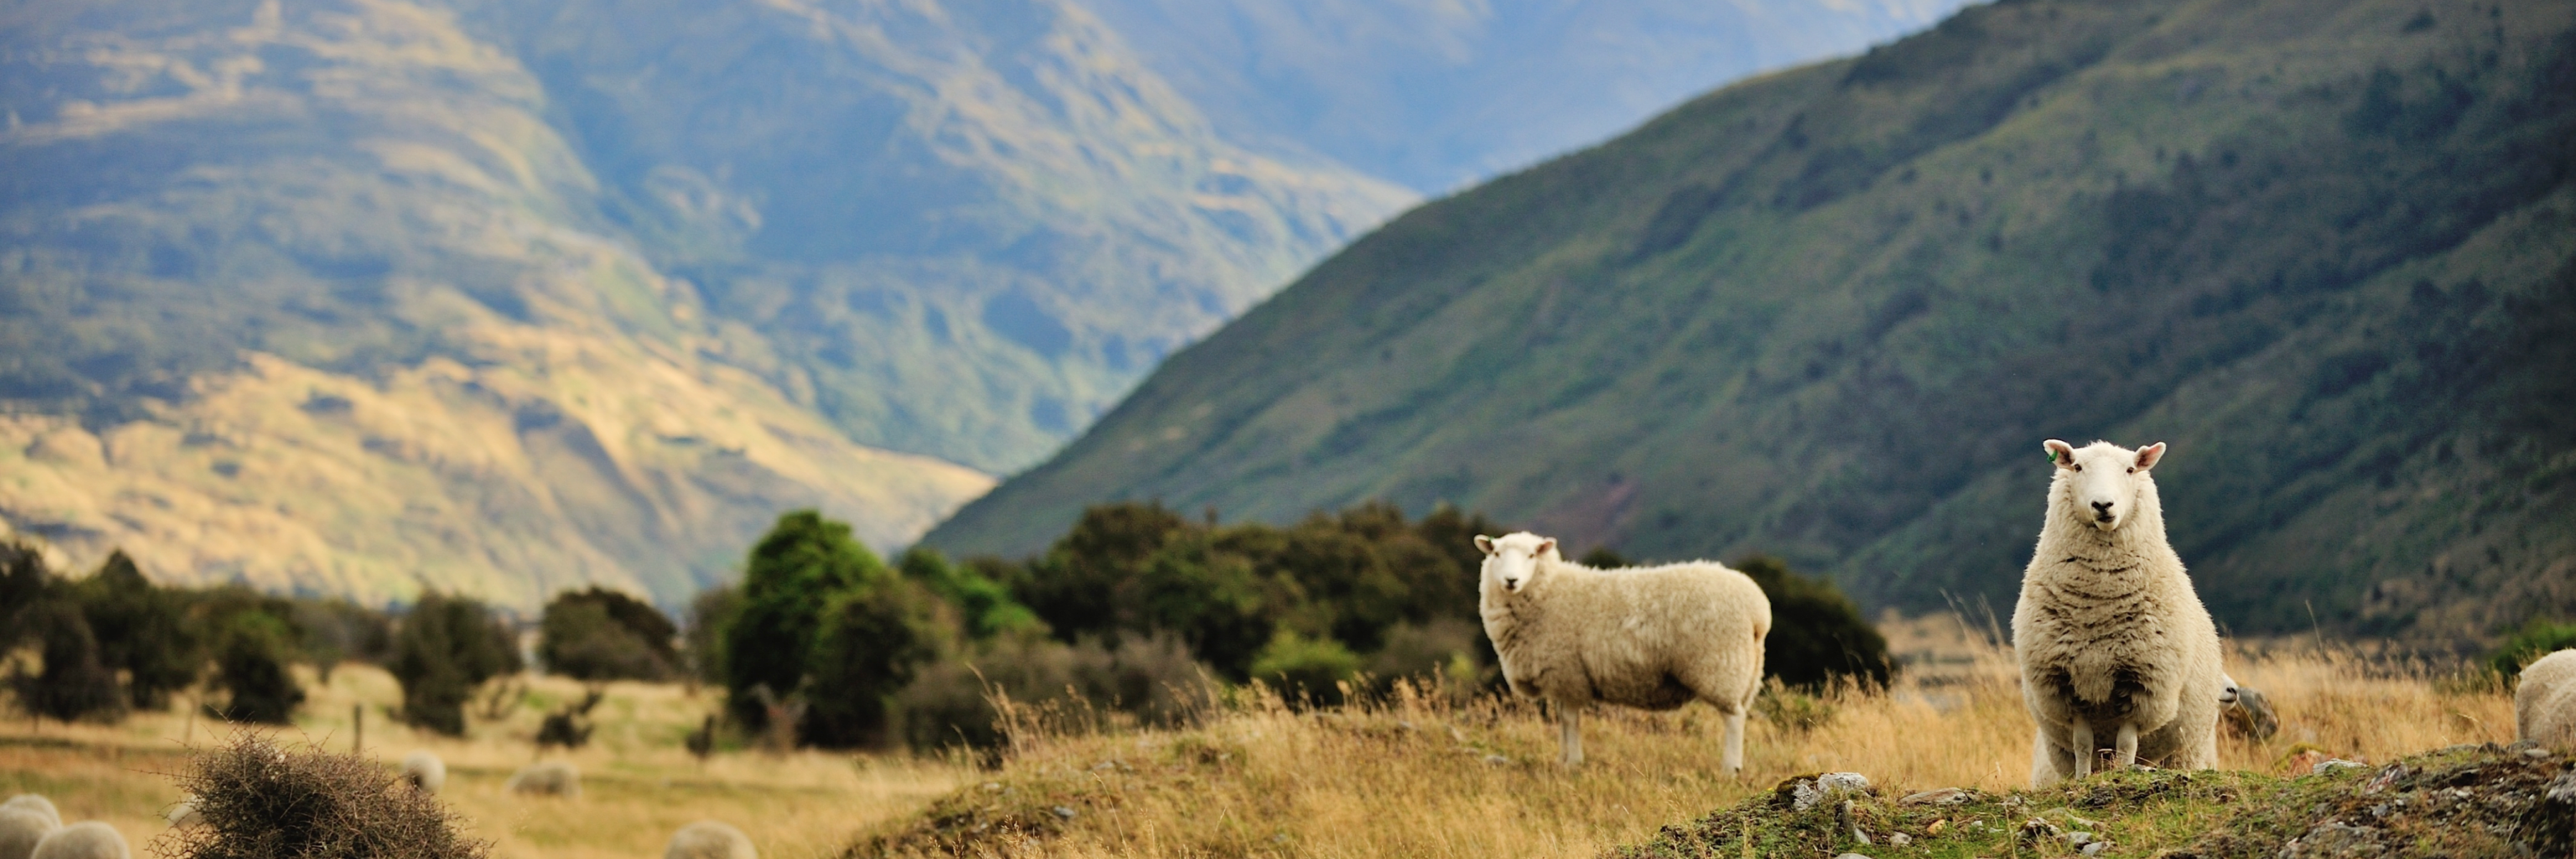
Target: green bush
x=710 y=614
x=252 y=649
x=873 y=639
x=600 y=634
x=1817 y=635
x=1082 y=686
x=444 y=648
x=141 y=629
x=73 y=684
x=1306 y=670
x=792 y=576
x=2534 y=640
x=984 y=606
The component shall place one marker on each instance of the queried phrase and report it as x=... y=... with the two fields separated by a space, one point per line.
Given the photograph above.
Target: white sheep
x=2112 y=639
x=424 y=771
x=708 y=839
x=21 y=828
x=1649 y=637
x=547 y=778
x=2544 y=702
x=184 y=815
x=88 y=839
x=36 y=804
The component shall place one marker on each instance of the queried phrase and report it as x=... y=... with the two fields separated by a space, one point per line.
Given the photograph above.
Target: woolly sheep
x=708 y=839
x=424 y=771
x=1649 y=637
x=88 y=839
x=2111 y=638
x=548 y=778
x=36 y=804
x=2544 y=703
x=21 y=828
x=184 y=814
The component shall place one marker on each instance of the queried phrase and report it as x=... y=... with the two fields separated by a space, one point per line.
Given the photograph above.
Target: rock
x=1899 y=839
x=1936 y=796
x=1937 y=827
x=2036 y=829
x=1065 y=812
x=2096 y=848
x=1497 y=759
x=1806 y=792
x=2332 y=764
x=2250 y=715
x=2078 y=838
x=2334 y=840
x=1851 y=856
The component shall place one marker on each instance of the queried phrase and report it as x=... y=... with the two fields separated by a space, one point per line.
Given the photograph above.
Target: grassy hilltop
x=2326 y=250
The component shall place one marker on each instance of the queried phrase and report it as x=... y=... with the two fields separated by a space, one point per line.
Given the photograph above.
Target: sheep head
x=1511 y=561
x=2102 y=484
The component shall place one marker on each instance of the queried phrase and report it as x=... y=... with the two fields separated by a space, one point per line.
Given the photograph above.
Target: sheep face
x=2102 y=484
x=1511 y=561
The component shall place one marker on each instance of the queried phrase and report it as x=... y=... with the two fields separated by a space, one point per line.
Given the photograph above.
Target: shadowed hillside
x=2324 y=249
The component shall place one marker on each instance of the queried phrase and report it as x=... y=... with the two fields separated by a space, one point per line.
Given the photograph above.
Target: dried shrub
x=259 y=800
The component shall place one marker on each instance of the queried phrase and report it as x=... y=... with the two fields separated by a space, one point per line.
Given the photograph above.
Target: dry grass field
x=1407 y=775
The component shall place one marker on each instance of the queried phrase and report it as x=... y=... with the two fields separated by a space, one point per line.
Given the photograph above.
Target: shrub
x=2534 y=640
x=793 y=574
x=337 y=630
x=873 y=639
x=1150 y=681
x=73 y=684
x=984 y=606
x=259 y=801
x=1306 y=669
x=252 y=648
x=445 y=647
x=600 y=634
x=141 y=631
x=570 y=726
x=710 y=614
x=1817 y=634
x=23 y=578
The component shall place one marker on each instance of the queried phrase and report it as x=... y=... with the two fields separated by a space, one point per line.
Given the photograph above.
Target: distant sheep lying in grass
x=88 y=839
x=2544 y=702
x=22 y=828
x=424 y=771
x=2111 y=638
x=547 y=778
x=37 y=805
x=1650 y=637
x=708 y=839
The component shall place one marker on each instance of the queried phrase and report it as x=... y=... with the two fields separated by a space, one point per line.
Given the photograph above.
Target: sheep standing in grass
x=2544 y=702
x=21 y=829
x=1649 y=637
x=547 y=778
x=424 y=771
x=88 y=839
x=2114 y=644
x=708 y=839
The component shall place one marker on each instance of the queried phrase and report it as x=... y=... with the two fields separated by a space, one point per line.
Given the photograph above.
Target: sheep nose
x=2102 y=508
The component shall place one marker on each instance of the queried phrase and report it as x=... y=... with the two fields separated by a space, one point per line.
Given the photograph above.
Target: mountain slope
x=314 y=299
x=2324 y=249
x=1435 y=94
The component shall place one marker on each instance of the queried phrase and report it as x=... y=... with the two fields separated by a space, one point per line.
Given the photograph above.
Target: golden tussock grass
x=1409 y=774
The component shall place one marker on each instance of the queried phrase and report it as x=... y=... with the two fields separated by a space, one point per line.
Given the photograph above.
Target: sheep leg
x=2126 y=745
x=1732 y=759
x=2047 y=762
x=1570 y=734
x=2079 y=735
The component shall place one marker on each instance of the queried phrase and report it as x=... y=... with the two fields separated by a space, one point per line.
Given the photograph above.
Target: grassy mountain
x=1435 y=94
x=2326 y=250
x=367 y=295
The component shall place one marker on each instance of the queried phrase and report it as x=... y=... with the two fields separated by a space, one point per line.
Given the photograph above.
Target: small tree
x=1817 y=634
x=252 y=649
x=600 y=634
x=710 y=615
x=141 y=631
x=23 y=580
x=793 y=574
x=874 y=638
x=73 y=684
x=447 y=646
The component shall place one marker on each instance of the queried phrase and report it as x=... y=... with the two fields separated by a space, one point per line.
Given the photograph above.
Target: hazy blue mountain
x=2325 y=249
x=1434 y=93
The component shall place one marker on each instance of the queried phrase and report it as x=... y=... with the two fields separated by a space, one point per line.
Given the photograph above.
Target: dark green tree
x=141 y=630
x=872 y=640
x=710 y=615
x=600 y=634
x=252 y=649
x=444 y=648
x=1817 y=634
x=74 y=683
x=793 y=574
x=984 y=606
x=23 y=580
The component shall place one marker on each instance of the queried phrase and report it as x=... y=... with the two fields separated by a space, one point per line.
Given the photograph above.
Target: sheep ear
x=1484 y=544
x=1546 y=546
x=2147 y=456
x=2060 y=452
